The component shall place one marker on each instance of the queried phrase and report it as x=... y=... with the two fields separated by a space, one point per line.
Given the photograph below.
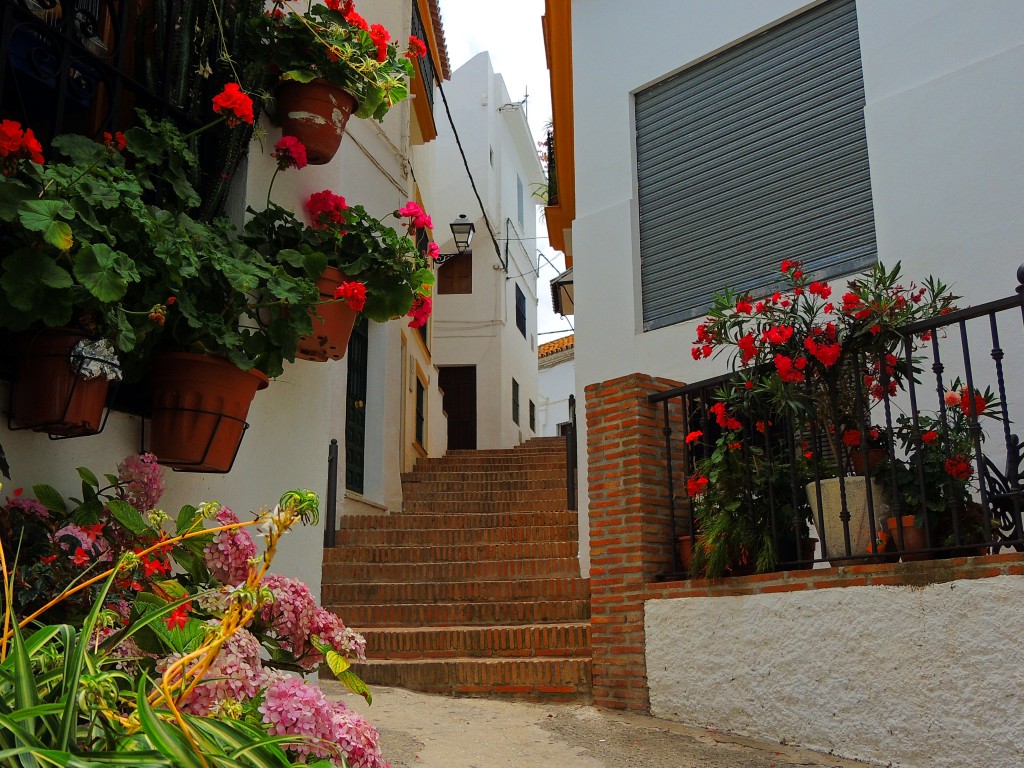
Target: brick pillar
x=630 y=541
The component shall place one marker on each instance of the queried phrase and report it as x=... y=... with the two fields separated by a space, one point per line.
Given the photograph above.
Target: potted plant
x=331 y=64
x=823 y=363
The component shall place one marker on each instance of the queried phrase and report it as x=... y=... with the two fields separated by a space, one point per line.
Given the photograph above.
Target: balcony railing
x=552 y=167
x=943 y=479
x=426 y=63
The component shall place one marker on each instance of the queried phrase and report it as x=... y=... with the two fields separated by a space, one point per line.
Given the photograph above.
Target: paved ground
x=419 y=730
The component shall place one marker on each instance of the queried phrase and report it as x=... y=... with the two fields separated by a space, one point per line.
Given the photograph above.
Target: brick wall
x=630 y=541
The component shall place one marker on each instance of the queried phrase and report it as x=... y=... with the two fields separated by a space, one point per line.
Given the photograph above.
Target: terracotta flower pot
x=686 y=553
x=315 y=113
x=913 y=537
x=875 y=456
x=199 y=409
x=333 y=327
x=48 y=394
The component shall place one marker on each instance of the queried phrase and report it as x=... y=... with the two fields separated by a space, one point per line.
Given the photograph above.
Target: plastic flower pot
x=913 y=537
x=199 y=409
x=315 y=113
x=49 y=394
x=333 y=328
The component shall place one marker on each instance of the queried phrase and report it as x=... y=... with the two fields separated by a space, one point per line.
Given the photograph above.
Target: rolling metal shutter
x=750 y=157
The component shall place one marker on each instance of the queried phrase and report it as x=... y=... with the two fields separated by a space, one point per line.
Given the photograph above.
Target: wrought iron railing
x=425 y=63
x=571 y=460
x=964 y=504
x=552 y=167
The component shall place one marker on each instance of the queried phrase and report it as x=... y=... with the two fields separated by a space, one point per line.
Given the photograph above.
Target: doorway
x=459 y=386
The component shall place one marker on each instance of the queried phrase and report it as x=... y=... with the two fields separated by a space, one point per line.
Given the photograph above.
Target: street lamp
x=462 y=232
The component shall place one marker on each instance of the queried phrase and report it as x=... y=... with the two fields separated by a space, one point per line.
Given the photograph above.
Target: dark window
x=421 y=410
x=753 y=156
x=456 y=275
x=533 y=417
x=515 y=401
x=521 y=311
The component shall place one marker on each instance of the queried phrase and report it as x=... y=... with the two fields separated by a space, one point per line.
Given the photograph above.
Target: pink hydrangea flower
x=72 y=537
x=144 y=479
x=228 y=555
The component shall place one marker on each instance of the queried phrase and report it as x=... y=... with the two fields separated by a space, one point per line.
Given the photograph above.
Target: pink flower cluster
x=420 y=312
x=417 y=214
x=85 y=545
x=236 y=674
x=294 y=617
x=292 y=707
x=228 y=555
x=144 y=480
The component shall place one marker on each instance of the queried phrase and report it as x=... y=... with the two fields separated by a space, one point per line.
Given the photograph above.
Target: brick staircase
x=474 y=588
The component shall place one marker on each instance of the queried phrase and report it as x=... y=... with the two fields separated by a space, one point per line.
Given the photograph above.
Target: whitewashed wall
x=556 y=383
x=899 y=676
x=944 y=83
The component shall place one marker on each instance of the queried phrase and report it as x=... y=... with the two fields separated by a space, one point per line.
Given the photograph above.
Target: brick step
x=426 y=521
x=442 y=614
x=451 y=506
x=393 y=537
x=466 y=474
x=473 y=463
x=484 y=481
x=518 y=450
x=449 y=492
x=342 y=572
x=495 y=641
x=546 y=679
x=457 y=591
x=476 y=552
x=501 y=490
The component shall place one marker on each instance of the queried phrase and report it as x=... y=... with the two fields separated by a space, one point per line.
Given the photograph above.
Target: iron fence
x=425 y=63
x=930 y=467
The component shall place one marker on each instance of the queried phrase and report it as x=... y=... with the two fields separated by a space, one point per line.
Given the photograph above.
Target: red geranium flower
x=959 y=467
x=694 y=436
x=353 y=293
x=326 y=208
x=417 y=48
x=417 y=214
x=290 y=153
x=695 y=486
x=929 y=437
x=234 y=104
x=420 y=311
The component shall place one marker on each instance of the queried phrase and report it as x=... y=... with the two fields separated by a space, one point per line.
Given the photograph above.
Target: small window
x=421 y=410
x=533 y=417
x=520 y=199
x=491 y=156
x=515 y=401
x=456 y=275
x=521 y=310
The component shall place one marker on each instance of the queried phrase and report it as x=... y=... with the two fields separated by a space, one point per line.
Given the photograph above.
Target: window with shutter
x=755 y=155
x=456 y=275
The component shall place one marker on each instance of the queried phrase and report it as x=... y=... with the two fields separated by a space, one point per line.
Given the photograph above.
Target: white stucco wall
x=925 y=677
x=556 y=383
x=480 y=328
x=944 y=87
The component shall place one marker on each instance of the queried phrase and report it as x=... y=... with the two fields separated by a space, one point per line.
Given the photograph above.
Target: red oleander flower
x=695 y=486
x=824 y=290
x=748 y=348
x=748 y=384
x=694 y=436
x=290 y=153
x=789 y=370
x=788 y=264
x=417 y=214
x=353 y=293
x=334 y=5
x=417 y=48
x=420 y=311
x=778 y=334
x=929 y=437
x=744 y=306
x=723 y=417
x=965 y=402
x=851 y=438
x=851 y=302
x=959 y=467
x=826 y=354
x=234 y=104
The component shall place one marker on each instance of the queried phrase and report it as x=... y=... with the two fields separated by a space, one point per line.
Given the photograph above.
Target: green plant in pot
x=331 y=64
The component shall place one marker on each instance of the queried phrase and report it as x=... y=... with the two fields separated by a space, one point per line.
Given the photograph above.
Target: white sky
x=511 y=33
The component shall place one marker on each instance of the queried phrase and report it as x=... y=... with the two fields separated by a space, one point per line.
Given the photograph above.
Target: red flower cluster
x=790 y=370
x=929 y=437
x=959 y=467
x=115 y=141
x=778 y=334
x=417 y=214
x=17 y=144
x=433 y=251
x=851 y=438
x=179 y=616
x=417 y=48
x=965 y=402
x=234 y=104
x=822 y=344
x=824 y=290
x=723 y=417
x=420 y=311
x=380 y=37
x=696 y=485
x=744 y=306
x=353 y=293
x=290 y=153
x=326 y=209
x=748 y=348
x=694 y=436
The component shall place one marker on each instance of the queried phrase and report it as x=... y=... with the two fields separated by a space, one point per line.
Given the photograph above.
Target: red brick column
x=630 y=530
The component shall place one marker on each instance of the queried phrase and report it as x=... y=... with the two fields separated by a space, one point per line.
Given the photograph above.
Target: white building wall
x=555 y=384
x=914 y=677
x=944 y=89
x=480 y=328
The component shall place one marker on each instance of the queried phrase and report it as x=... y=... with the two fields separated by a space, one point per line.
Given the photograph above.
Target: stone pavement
x=428 y=731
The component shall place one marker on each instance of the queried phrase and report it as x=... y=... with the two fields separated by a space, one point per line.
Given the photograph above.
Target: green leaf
x=128 y=516
x=41 y=216
x=25 y=692
x=97 y=267
x=165 y=739
x=186 y=517
x=88 y=477
x=79 y=149
x=49 y=498
x=300 y=75
x=351 y=680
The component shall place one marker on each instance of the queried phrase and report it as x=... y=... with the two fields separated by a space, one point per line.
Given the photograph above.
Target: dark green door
x=355 y=410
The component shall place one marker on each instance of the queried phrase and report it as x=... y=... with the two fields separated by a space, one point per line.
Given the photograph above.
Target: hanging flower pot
x=315 y=113
x=199 y=409
x=61 y=383
x=333 y=327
